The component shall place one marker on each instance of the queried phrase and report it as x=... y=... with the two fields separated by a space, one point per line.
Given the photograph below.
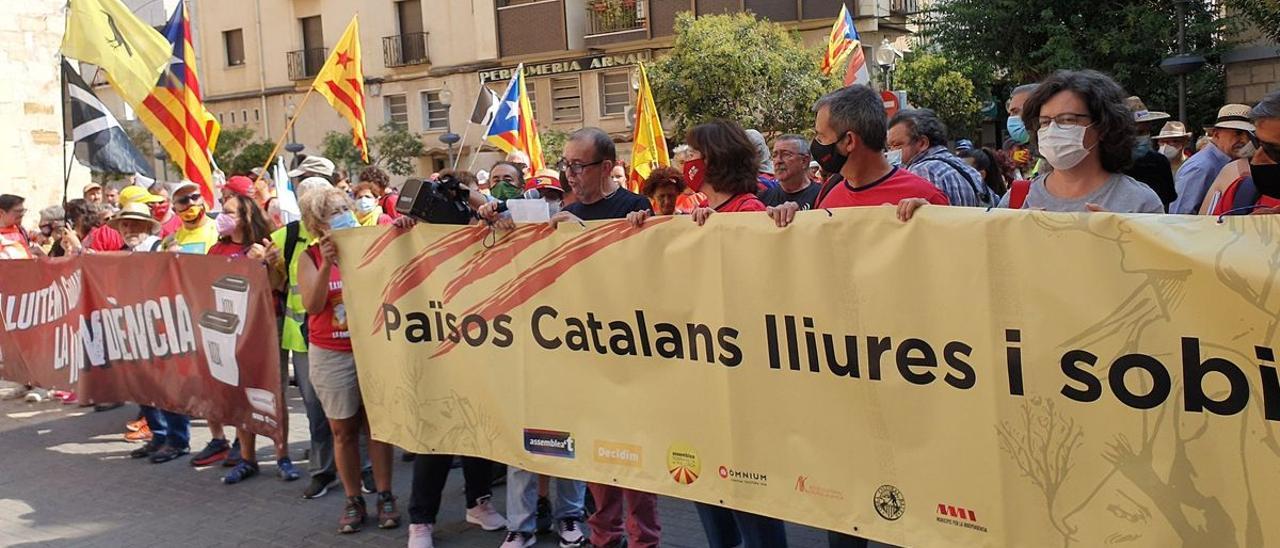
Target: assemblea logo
x=549 y=442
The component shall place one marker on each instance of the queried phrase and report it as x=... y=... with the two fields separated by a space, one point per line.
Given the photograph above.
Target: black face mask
x=1266 y=177
x=827 y=157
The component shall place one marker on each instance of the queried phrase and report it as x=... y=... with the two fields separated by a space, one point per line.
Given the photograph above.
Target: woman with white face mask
x=1080 y=124
x=367 y=210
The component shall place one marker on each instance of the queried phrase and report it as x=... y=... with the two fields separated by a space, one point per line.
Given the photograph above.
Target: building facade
x=425 y=60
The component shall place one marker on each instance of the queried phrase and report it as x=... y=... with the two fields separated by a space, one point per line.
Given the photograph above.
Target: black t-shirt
x=807 y=198
x=1152 y=169
x=614 y=207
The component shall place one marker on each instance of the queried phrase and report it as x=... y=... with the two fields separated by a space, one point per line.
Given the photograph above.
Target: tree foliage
x=1264 y=15
x=739 y=68
x=931 y=82
x=237 y=152
x=552 y=145
x=1015 y=42
x=393 y=148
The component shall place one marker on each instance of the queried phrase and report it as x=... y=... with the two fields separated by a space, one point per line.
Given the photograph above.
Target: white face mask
x=366 y=204
x=1171 y=152
x=1246 y=151
x=1062 y=146
x=894 y=157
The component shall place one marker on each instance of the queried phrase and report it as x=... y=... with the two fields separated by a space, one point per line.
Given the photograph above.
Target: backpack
x=1018 y=191
x=1239 y=199
x=984 y=198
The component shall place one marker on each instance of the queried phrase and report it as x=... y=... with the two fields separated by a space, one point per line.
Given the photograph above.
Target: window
x=566 y=99
x=244 y=116
x=396 y=110
x=233 y=116
x=256 y=115
x=234 y=42
x=615 y=92
x=435 y=116
x=221 y=120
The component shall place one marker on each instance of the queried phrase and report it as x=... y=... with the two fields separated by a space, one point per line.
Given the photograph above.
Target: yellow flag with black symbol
x=107 y=34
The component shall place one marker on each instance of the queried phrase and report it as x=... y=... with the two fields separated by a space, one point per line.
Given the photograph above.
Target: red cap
x=241 y=185
x=546 y=178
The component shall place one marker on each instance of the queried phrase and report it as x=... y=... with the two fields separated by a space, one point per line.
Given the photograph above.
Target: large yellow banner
x=969 y=378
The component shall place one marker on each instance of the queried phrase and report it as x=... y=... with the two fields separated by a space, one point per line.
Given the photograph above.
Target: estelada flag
x=513 y=127
x=341 y=82
x=107 y=34
x=649 y=144
x=174 y=110
x=842 y=41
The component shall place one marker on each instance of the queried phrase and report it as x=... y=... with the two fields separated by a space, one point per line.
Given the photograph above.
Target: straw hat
x=1172 y=130
x=134 y=211
x=1140 y=112
x=1234 y=116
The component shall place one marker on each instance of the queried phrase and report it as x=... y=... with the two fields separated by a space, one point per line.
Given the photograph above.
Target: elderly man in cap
x=314 y=166
x=1172 y=142
x=1232 y=136
x=92 y=193
x=1149 y=166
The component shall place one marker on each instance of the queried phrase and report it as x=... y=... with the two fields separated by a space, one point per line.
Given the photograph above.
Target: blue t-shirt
x=617 y=206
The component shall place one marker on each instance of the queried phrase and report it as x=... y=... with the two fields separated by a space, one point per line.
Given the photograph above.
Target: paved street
x=66 y=480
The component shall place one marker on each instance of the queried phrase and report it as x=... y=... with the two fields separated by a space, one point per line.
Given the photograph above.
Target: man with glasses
x=791 y=164
x=15 y=243
x=589 y=157
x=917 y=140
x=197 y=233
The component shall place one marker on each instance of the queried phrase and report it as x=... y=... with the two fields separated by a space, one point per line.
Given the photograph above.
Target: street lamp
x=1183 y=63
x=289 y=110
x=163 y=156
x=449 y=138
x=887 y=57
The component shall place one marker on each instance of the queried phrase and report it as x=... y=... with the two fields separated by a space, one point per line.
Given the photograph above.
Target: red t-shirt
x=897 y=185
x=741 y=202
x=227 y=248
x=328 y=329
x=388 y=203
x=168 y=228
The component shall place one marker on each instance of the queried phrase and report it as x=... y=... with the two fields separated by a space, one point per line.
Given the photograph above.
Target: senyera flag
x=341 y=82
x=842 y=41
x=513 y=127
x=187 y=333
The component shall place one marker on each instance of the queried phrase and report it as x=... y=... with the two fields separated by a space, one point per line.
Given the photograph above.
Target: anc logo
x=889 y=502
x=683 y=463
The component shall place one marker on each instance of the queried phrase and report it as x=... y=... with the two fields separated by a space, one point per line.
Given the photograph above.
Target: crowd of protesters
x=1075 y=143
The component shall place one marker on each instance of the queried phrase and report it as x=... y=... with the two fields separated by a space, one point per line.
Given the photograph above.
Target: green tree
x=1264 y=15
x=552 y=145
x=740 y=68
x=931 y=82
x=1011 y=42
x=393 y=148
x=237 y=152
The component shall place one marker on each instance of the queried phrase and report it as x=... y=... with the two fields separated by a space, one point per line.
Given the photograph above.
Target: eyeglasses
x=503 y=179
x=188 y=199
x=1066 y=119
x=785 y=155
x=576 y=168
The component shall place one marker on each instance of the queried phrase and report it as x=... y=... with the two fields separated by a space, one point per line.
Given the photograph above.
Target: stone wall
x=1248 y=81
x=31 y=135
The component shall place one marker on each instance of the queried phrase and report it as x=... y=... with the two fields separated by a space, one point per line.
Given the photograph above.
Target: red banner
x=185 y=333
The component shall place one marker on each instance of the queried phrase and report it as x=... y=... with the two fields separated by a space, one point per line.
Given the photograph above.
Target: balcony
x=403 y=50
x=903 y=7
x=611 y=21
x=306 y=63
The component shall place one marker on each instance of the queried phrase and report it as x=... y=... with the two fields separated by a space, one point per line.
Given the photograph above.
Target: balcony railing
x=903 y=7
x=403 y=50
x=609 y=16
x=306 y=63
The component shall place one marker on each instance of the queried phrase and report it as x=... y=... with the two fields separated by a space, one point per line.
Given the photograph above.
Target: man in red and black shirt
x=851 y=129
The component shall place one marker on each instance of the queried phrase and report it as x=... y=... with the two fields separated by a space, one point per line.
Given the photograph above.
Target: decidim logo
x=683 y=463
x=549 y=442
x=621 y=454
x=743 y=476
x=889 y=502
x=959 y=517
x=806 y=485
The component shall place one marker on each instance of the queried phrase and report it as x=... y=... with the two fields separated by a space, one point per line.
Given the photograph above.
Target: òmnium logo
x=621 y=454
x=889 y=502
x=959 y=517
x=549 y=442
x=683 y=463
x=743 y=476
x=806 y=485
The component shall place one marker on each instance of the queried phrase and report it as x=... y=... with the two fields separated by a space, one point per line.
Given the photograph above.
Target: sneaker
x=61 y=395
x=318 y=487
x=71 y=398
x=286 y=471
x=168 y=453
x=388 y=516
x=485 y=516
x=34 y=396
x=139 y=435
x=367 y=485
x=353 y=515
x=136 y=425
x=571 y=534
x=234 y=456
x=216 y=450
x=518 y=540
x=420 y=535
x=146 y=450
x=544 y=520
x=241 y=472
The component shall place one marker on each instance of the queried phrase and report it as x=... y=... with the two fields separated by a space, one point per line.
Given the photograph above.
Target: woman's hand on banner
x=637 y=218
x=700 y=215
x=404 y=222
x=908 y=206
x=329 y=250
x=783 y=214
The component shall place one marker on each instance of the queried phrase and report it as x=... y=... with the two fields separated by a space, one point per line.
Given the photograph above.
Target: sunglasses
x=188 y=199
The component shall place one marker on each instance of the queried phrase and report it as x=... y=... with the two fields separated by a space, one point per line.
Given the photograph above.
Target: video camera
x=443 y=201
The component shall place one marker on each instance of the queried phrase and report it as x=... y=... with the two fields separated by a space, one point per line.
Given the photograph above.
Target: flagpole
x=285 y=134
x=66 y=164
x=462 y=147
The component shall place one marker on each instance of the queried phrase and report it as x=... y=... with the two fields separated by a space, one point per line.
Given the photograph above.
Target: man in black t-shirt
x=589 y=157
x=791 y=165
